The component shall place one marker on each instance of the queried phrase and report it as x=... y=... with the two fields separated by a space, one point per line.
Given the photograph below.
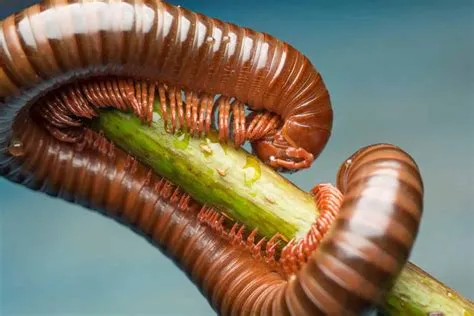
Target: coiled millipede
x=62 y=60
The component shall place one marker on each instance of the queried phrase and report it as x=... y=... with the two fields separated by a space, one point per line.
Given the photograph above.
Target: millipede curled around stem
x=62 y=61
x=63 y=112
x=368 y=243
x=165 y=50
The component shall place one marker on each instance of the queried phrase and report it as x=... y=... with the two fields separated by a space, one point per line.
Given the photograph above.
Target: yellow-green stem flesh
x=237 y=183
x=215 y=174
x=415 y=292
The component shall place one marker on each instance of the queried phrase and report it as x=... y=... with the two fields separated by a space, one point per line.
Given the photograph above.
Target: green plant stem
x=415 y=292
x=253 y=194
x=234 y=180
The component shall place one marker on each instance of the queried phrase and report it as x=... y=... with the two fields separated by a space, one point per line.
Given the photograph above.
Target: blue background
x=398 y=71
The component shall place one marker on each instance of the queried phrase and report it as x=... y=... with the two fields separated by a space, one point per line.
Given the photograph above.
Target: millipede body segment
x=370 y=239
x=64 y=60
x=215 y=64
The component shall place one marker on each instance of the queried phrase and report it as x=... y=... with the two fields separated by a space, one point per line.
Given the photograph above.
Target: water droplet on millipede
x=16 y=148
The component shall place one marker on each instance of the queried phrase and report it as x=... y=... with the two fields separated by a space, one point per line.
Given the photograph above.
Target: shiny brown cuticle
x=125 y=55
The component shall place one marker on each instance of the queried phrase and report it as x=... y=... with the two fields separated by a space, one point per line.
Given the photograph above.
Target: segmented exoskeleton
x=61 y=61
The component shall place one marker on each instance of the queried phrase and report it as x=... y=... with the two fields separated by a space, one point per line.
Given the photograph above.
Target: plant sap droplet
x=16 y=148
x=252 y=171
x=182 y=140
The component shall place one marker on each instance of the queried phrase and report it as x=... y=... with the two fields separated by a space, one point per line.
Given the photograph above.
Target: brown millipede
x=50 y=44
x=57 y=71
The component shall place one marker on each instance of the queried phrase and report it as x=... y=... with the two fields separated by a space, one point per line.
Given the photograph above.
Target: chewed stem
x=145 y=144
x=295 y=254
x=260 y=192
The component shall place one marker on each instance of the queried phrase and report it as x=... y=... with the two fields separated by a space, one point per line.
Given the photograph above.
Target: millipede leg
x=306 y=159
x=328 y=200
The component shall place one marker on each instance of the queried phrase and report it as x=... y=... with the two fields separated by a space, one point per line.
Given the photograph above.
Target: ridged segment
x=347 y=274
x=57 y=41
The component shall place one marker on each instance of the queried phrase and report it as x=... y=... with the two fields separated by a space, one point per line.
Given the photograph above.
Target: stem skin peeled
x=236 y=182
x=215 y=174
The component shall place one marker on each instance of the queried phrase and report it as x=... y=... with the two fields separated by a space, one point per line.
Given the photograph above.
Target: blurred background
x=398 y=71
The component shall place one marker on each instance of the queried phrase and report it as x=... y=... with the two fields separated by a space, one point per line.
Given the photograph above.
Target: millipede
x=64 y=60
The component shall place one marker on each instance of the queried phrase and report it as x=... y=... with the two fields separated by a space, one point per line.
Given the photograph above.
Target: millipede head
x=276 y=152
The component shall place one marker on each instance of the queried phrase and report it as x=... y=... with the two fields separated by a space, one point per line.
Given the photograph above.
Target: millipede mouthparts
x=62 y=61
